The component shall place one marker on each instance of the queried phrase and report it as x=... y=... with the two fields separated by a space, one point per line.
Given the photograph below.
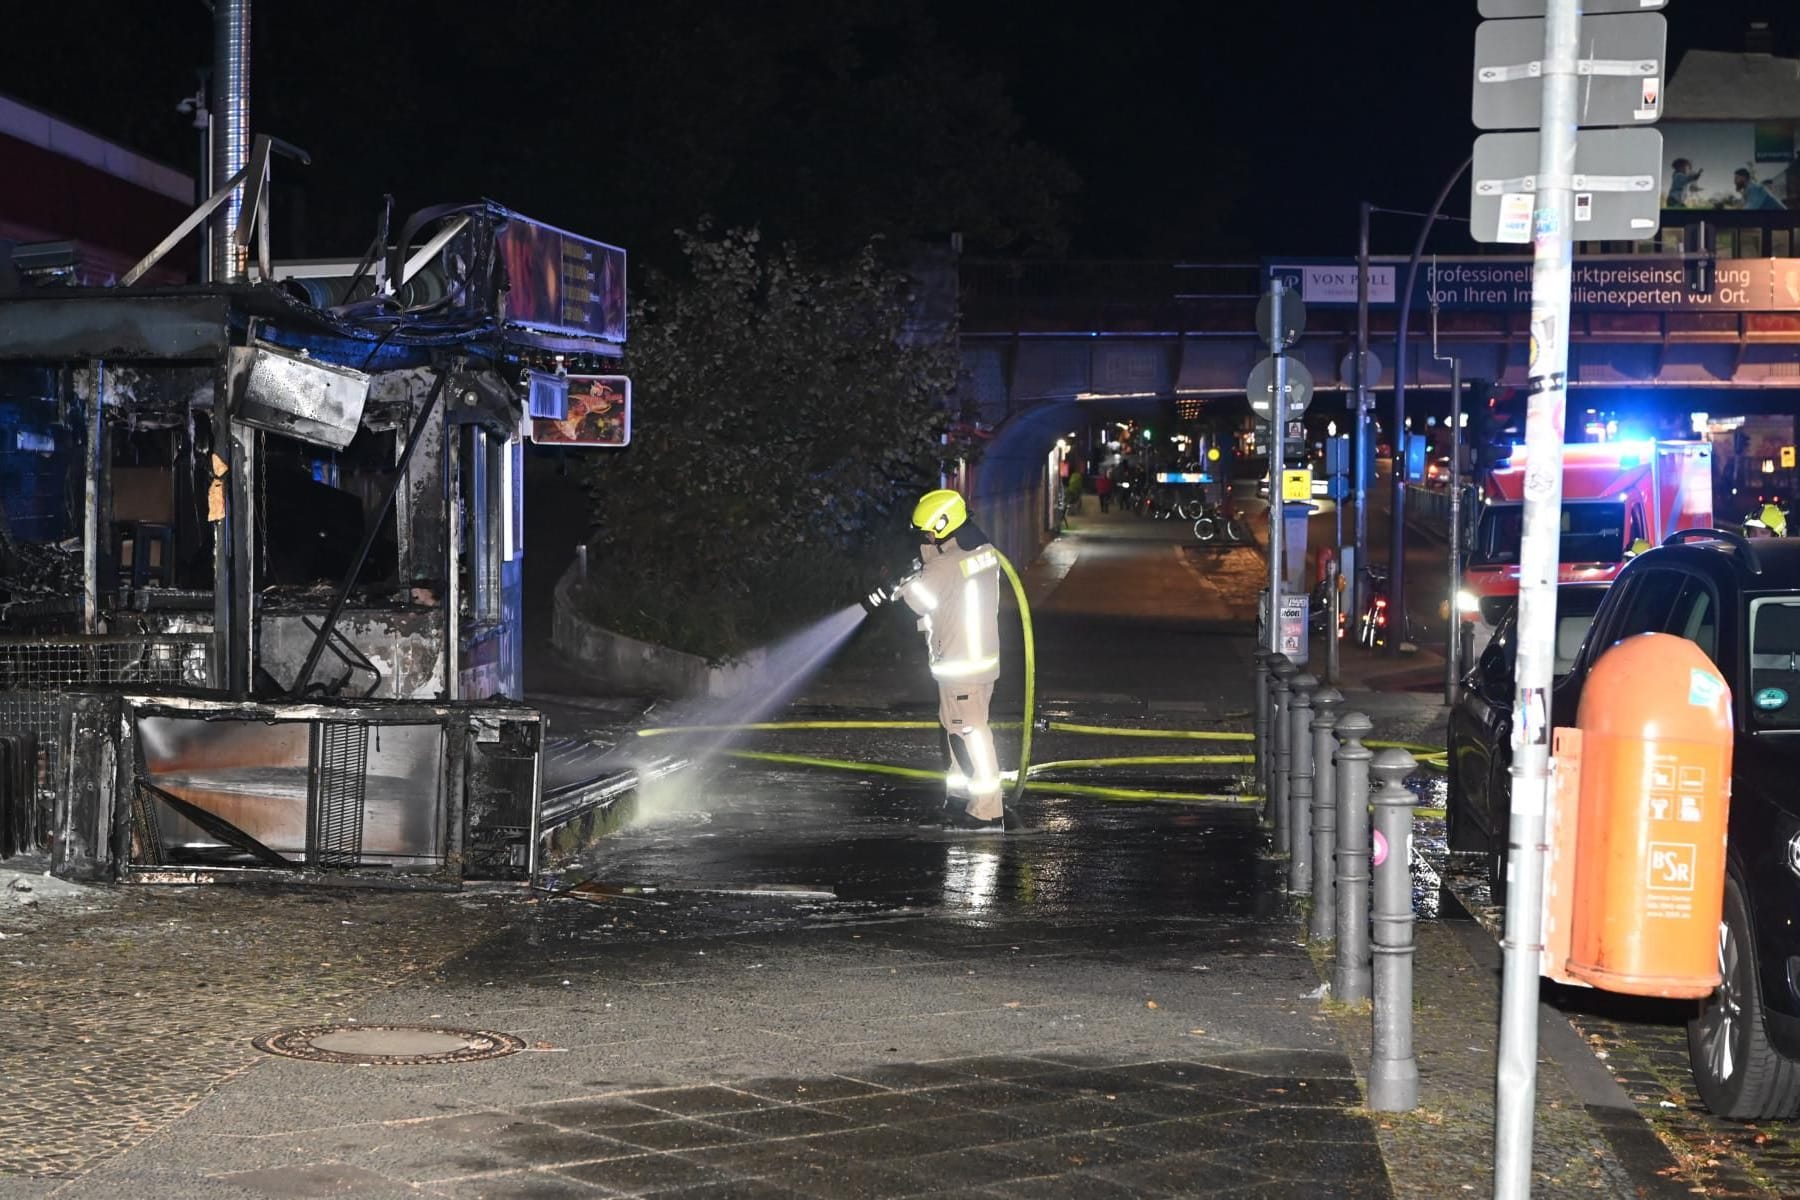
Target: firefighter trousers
x=972 y=774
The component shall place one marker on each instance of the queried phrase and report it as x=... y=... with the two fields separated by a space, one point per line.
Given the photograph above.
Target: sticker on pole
x=1515 y=217
x=1704 y=688
x=1294 y=640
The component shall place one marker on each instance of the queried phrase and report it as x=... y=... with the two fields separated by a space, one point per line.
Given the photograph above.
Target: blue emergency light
x=1183 y=477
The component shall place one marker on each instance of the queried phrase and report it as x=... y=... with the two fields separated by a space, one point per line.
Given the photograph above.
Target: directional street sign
x=1293 y=319
x=1371 y=369
x=1616 y=193
x=1622 y=67
x=1261 y=387
x=1536 y=8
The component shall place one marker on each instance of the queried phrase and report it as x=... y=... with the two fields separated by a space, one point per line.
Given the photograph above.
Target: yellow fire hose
x=1428 y=755
x=1073 y=789
x=1045 y=785
x=1030 y=721
x=1425 y=754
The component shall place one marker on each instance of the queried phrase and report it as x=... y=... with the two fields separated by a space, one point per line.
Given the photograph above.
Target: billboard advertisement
x=1493 y=283
x=1730 y=164
x=599 y=414
x=559 y=282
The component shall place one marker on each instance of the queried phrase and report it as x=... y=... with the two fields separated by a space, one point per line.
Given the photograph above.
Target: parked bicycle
x=1213 y=526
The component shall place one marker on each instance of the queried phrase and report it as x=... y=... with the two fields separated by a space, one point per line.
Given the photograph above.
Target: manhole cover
x=388 y=1045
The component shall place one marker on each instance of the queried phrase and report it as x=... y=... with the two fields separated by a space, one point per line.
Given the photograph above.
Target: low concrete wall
x=624 y=666
x=1013 y=519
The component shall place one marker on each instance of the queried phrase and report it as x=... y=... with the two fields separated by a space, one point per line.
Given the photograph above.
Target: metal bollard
x=1393 y=1071
x=1300 y=784
x=1323 y=925
x=1350 y=971
x=1276 y=802
x=1261 y=717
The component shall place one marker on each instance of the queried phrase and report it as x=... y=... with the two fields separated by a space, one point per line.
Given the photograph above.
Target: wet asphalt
x=778 y=982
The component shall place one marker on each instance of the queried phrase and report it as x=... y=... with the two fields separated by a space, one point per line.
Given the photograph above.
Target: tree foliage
x=784 y=418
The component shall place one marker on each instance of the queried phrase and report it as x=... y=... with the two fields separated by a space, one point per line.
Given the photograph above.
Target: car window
x=1645 y=606
x=1574 y=616
x=1575 y=609
x=1696 y=616
x=1775 y=662
x=1592 y=532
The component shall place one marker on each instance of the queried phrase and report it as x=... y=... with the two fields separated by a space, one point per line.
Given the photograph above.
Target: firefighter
x=955 y=591
x=1770 y=522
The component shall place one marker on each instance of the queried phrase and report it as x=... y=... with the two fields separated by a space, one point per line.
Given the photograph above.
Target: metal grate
x=342 y=776
x=34 y=672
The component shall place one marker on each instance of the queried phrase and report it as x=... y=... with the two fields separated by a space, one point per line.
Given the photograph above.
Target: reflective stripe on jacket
x=957 y=597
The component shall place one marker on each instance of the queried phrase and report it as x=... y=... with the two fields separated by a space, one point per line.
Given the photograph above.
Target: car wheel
x=1500 y=813
x=1739 y=1074
x=1460 y=829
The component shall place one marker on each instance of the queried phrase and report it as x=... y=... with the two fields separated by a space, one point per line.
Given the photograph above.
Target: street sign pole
x=1397 y=537
x=1364 y=446
x=1453 y=650
x=1278 y=410
x=1538 y=552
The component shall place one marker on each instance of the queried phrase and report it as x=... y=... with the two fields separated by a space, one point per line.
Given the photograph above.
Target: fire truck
x=1618 y=498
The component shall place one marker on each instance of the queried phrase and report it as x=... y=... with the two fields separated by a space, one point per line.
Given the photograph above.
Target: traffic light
x=1496 y=420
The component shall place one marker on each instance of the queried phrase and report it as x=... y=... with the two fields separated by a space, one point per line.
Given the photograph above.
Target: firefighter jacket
x=957 y=597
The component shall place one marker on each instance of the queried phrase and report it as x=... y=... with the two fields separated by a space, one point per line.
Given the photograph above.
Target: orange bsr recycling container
x=1649 y=872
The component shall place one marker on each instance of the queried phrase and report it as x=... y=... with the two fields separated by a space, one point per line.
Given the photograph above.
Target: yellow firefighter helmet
x=940 y=513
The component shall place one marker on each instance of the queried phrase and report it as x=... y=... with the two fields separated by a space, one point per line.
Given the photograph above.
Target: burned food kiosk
x=261 y=554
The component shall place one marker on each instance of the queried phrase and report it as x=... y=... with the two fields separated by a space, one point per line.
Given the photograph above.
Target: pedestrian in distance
x=954 y=590
x=1103 y=486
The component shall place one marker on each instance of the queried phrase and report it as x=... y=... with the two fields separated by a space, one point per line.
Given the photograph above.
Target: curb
x=1654 y=1171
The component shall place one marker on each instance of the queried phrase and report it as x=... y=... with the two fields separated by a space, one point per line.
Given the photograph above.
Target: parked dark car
x=1480 y=729
x=1740 y=603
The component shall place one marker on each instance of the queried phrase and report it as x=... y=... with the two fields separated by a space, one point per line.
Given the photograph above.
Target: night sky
x=1151 y=129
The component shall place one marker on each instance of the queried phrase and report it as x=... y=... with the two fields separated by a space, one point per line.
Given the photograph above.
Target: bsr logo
x=1672 y=866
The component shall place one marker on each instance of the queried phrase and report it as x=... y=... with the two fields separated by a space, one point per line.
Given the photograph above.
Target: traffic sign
x=1371 y=374
x=1261 y=387
x=1337 y=455
x=1622 y=67
x=1615 y=181
x=1536 y=8
x=1296 y=484
x=1293 y=319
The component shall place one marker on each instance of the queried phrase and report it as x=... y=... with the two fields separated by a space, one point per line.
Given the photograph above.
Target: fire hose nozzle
x=876 y=599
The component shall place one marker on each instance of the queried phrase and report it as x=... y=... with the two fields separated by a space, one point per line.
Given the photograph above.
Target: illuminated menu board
x=561 y=283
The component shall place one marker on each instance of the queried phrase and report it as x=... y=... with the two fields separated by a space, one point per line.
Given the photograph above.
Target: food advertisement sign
x=599 y=414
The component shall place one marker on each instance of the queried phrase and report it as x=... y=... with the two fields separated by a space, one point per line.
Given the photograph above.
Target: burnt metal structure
x=260 y=585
